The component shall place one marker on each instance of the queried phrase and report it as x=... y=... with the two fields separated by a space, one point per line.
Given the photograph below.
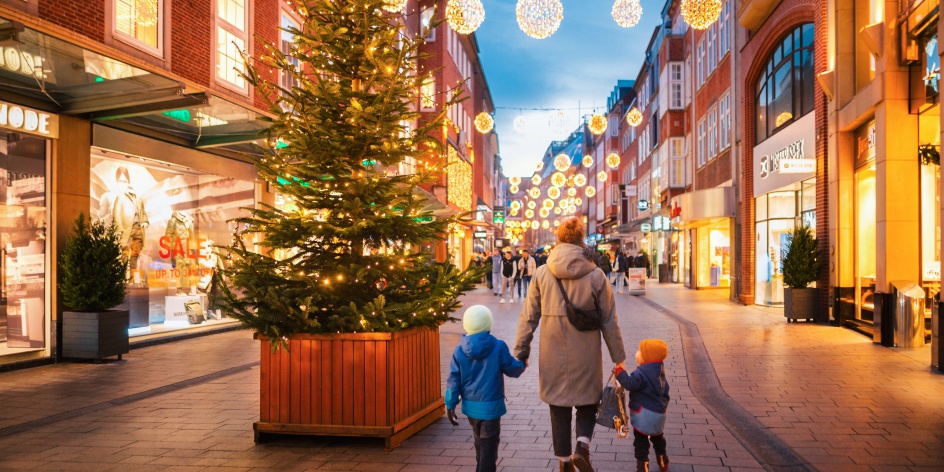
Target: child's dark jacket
x=476 y=376
x=647 y=387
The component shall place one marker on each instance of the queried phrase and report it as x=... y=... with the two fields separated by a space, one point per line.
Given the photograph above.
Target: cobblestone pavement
x=839 y=401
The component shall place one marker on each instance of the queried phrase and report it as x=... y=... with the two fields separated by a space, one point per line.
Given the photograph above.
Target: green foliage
x=355 y=253
x=799 y=258
x=92 y=267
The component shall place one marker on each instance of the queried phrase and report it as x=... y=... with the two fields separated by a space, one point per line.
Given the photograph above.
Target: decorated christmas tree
x=351 y=251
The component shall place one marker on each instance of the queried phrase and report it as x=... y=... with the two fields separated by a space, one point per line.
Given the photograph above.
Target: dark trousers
x=517 y=288
x=487 y=437
x=560 y=426
x=641 y=445
x=488 y=279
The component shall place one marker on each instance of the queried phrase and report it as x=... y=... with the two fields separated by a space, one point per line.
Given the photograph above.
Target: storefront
x=784 y=199
x=705 y=218
x=25 y=137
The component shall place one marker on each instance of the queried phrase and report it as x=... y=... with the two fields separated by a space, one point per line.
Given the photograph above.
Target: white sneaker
x=503 y=301
x=512 y=300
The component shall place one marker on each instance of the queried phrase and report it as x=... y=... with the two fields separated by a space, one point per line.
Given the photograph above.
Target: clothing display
x=179 y=233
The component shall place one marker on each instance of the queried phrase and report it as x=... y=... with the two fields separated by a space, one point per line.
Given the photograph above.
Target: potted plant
x=800 y=268
x=93 y=280
x=342 y=286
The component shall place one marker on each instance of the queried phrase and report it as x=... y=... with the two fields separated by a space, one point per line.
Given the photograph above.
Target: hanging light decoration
x=590 y=192
x=580 y=180
x=518 y=123
x=571 y=192
x=627 y=12
x=557 y=222
x=601 y=176
x=572 y=209
x=393 y=6
x=531 y=204
x=540 y=166
x=484 y=122
x=587 y=161
x=514 y=212
x=557 y=211
x=562 y=162
x=513 y=189
x=701 y=14
x=578 y=201
x=539 y=18
x=547 y=203
x=563 y=203
x=612 y=160
x=554 y=193
x=535 y=225
x=545 y=224
x=529 y=214
x=558 y=179
x=465 y=16
x=597 y=124
x=536 y=179
x=516 y=205
x=634 y=117
x=544 y=213
x=514 y=180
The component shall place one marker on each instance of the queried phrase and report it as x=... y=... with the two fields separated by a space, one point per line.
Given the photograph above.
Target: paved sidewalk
x=839 y=401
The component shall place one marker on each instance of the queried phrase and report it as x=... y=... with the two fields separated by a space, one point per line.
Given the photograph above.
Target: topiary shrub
x=92 y=267
x=799 y=258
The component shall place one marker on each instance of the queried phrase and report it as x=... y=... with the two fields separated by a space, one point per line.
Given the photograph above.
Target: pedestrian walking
x=604 y=263
x=517 y=259
x=489 y=280
x=648 y=402
x=496 y=272
x=619 y=270
x=476 y=378
x=642 y=260
x=526 y=266
x=509 y=270
x=571 y=361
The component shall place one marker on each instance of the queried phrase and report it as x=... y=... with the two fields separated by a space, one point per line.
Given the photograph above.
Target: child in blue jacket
x=475 y=376
x=648 y=401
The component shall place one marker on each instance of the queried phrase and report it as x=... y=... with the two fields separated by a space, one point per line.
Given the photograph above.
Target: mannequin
x=127 y=214
x=180 y=232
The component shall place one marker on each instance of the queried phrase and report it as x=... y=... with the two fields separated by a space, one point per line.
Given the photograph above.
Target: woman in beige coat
x=571 y=361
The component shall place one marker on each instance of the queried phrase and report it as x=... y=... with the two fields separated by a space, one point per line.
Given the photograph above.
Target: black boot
x=642 y=466
x=581 y=458
x=567 y=467
x=663 y=463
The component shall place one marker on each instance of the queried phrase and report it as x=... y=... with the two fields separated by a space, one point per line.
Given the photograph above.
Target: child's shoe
x=663 y=463
x=581 y=457
x=642 y=466
x=567 y=466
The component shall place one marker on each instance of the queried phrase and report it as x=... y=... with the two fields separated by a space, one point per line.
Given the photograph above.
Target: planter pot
x=94 y=335
x=800 y=303
x=383 y=385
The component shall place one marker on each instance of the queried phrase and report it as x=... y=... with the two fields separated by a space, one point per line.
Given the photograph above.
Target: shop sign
x=498 y=217
x=645 y=227
x=796 y=141
x=630 y=190
x=798 y=166
x=865 y=144
x=642 y=205
x=479 y=235
x=28 y=120
x=22 y=62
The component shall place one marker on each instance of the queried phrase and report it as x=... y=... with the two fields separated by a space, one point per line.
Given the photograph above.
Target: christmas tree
x=352 y=251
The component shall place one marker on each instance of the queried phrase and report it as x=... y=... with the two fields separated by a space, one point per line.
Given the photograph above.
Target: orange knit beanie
x=653 y=350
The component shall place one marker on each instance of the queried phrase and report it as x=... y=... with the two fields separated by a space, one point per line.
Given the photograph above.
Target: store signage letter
x=27 y=120
x=771 y=162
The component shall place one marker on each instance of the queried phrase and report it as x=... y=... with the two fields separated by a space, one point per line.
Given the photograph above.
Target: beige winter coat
x=571 y=361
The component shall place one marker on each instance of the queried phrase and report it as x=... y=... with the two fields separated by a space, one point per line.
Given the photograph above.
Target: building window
x=784 y=91
x=426 y=22
x=724 y=30
x=701 y=62
x=231 y=40
x=428 y=94
x=675 y=86
x=286 y=39
x=724 y=121
x=702 y=157
x=139 y=23
x=712 y=57
x=712 y=131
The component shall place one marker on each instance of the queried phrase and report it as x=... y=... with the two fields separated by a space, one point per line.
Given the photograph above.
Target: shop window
x=865 y=215
x=231 y=41
x=724 y=121
x=168 y=219
x=714 y=255
x=784 y=91
x=140 y=23
x=23 y=321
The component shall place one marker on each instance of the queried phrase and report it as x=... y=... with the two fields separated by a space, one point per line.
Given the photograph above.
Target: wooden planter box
x=94 y=335
x=383 y=385
x=799 y=303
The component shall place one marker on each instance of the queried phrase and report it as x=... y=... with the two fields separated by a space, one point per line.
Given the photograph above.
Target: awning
x=717 y=202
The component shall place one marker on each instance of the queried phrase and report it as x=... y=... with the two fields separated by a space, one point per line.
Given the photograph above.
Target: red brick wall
x=715 y=172
x=86 y=17
x=265 y=28
x=192 y=38
x=788 y=15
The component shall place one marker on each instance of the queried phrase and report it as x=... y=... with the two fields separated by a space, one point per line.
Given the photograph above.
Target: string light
x=597 y=124
x=513 y=189
x=612 y=160
x=514 y=180
x=601 y=176
x=539 y=18
x=580 y=180
x=701 y=14
x=534 y=193
x=634 y=117
x=587 y=161
x=590 y=192
x=554 y=193
x=562 y=162
x=558 y=179
x=627 y=12
x=484 y=122
x=465 y=16
x=394 y=6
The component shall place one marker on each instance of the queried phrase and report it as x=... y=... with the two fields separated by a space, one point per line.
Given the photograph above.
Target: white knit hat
x=477 y=319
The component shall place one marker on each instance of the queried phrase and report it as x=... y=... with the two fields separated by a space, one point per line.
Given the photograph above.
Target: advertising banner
x=637 y=280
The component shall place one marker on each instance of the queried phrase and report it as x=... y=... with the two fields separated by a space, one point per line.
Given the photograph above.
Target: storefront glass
x=865 y=242
x=929 y=157
x=776 y=215
x=714 y=255
x=23 y=237
x=168 y=218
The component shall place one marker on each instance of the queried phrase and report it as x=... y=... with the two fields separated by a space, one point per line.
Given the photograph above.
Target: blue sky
x=577 y=66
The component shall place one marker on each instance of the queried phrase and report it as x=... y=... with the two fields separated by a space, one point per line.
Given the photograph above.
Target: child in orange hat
x=648 y=401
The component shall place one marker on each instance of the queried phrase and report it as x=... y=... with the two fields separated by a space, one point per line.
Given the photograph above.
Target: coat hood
x=569 y=261
x=478 y=346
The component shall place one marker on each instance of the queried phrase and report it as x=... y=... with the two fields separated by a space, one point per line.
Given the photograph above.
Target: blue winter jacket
x=647 y=387
x=475 y=375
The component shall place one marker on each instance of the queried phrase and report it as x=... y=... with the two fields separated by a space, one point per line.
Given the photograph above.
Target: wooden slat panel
x=312 y=366
x=370 y=383
x=295 y=394
x=275 y=365
x=337 y=379
x=325 y=381
x=398 y=371
x=359 y=406
x=285 y=386
x=264 y=379
x=348 y=386
x=384 y=398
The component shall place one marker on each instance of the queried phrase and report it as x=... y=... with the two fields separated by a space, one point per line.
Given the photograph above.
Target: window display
x=776 y=216
x=169 y=218
x=22 y=242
